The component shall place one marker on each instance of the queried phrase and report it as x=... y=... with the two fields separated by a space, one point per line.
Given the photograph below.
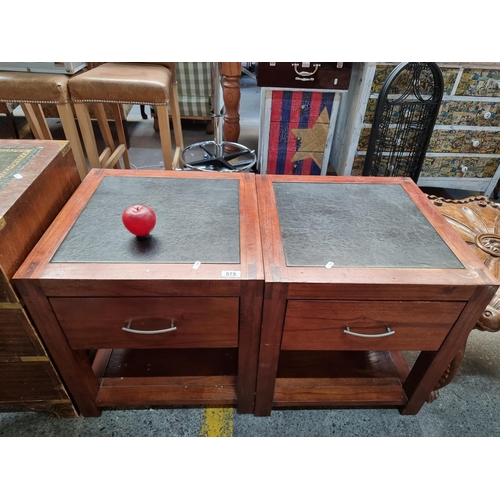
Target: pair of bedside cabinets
x=255 y=291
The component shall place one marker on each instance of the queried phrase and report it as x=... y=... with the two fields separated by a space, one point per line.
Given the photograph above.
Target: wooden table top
x=359 y=231
x=207 y=229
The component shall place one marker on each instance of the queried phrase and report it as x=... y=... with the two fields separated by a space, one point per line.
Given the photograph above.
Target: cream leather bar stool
x=32 y=90
x=126 y=83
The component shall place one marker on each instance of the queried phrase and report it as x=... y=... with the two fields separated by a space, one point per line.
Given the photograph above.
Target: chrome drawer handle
x=305 y=73
x=148 y=332
x=371 y=336
x=304 y=79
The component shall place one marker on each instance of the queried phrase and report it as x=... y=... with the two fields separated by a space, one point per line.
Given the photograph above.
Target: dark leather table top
x=357 y=225
x=13 y=159
x=197 y=220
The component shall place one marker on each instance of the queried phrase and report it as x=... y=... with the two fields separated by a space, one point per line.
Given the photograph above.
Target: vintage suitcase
x=304 y=75
x=36 y=180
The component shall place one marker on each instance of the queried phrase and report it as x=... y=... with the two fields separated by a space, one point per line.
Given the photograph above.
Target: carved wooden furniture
x=130 y=83
x=351 y=285
x=36 y=180
x=477 y=220
x=32 y=90
x=173 y=319
x=231 y=73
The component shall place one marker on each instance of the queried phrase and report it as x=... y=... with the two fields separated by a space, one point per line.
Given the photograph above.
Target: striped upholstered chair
x=194 y=84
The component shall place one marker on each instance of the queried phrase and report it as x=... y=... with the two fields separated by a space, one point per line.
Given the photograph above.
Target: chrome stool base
x=217 y=155
x=210 y=156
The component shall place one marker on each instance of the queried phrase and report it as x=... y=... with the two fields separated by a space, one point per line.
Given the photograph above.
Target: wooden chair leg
x=36 y=121
x=71 y=132
x=176 y=117
x=83 y=115
x=120 y=131
x=102 y=120
x=166 y=143
x=38 y=110
x=110 y=156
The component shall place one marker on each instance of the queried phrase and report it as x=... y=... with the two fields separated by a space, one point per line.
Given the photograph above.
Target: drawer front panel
x=383 y=71
x=92 y=323
x=469 y=113
x=479 y=83
x=320 y=324
x=451 y=166
x=282 y=162
x=303 y=108
x=464 y=141
x=325 y=76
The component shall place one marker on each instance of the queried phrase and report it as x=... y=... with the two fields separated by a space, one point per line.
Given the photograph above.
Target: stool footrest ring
x=210 y=156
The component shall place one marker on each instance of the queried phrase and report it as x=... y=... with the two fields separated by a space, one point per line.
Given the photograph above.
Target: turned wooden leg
x=231 y=96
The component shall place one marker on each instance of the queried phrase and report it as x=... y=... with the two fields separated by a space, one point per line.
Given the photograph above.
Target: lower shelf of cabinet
x=344 y=378
x=164 y=377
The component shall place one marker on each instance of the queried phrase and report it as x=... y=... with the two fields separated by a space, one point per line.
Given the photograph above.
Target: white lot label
x=231 y=274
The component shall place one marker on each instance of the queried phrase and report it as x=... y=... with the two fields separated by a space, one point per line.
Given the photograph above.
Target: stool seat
x=32 y=90
x=126 y=83
x=123 y=83
x=34 y=87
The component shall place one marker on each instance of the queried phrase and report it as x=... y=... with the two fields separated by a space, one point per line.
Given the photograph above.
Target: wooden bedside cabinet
x=357 y=271
x=173 y=319
x=36 y=180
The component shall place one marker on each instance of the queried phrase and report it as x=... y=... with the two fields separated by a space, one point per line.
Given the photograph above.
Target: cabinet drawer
x=93 y=323
x=300 y=107
x=451 y=166
x=325 y=75
x=320 y=324
x=464 y=141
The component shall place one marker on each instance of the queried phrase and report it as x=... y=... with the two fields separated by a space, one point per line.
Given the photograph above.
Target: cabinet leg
x=272 y=327
x=427 y=371
x=448 y=375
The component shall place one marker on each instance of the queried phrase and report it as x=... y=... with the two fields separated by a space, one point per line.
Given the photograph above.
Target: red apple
x=139 y=220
